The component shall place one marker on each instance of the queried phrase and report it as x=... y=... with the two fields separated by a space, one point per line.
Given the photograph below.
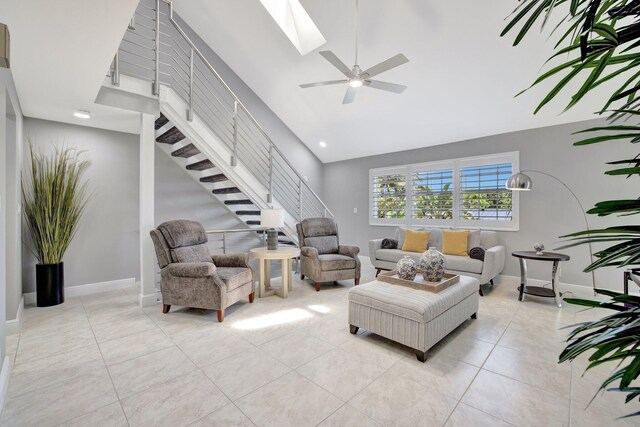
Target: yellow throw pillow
x=416 y=241
x=454 y=242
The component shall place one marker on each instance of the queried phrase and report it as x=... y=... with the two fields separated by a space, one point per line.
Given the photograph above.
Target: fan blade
x=394 y=61
x=335 y=61
x=330 y=82
x=350 y=95
x=389 y=87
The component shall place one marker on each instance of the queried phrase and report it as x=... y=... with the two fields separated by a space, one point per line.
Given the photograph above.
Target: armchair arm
x=231 y=260
x=191 y=269
x=349 y=250
x=374 y=245
x=308 y=251
x=493 y=265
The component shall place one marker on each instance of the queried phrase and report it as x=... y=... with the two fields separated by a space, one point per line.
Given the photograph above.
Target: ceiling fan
x=356 y=77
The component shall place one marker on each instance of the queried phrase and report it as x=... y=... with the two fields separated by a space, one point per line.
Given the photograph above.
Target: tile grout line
x=105 y=366
x=479 y=370
x=352 y=397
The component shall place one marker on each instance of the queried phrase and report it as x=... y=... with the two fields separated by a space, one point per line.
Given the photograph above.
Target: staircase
x=205 y=127
x=177 y=146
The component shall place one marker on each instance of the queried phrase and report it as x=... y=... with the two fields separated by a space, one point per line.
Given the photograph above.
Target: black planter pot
x=49 y=284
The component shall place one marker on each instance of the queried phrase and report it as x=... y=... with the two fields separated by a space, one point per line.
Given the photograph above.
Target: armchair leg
x=301 y=276
x=166 y=308
x=357 y=280
x=480 y=291
x=378 y=270
x=353 y=329
x=317 y=286
x=220 y=315
x=252 y=295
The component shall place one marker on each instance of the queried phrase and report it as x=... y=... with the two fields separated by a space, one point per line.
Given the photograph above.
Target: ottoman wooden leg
x=474 y=316
x=317 y=286
x=421 y=355
x=166 y=308
x=353 y=329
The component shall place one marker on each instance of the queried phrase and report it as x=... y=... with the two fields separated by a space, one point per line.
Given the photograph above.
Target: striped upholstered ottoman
x=415 y=318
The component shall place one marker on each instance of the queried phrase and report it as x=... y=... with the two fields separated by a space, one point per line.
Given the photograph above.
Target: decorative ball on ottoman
x=406 y=268
x=432 y=265
x=539 y=248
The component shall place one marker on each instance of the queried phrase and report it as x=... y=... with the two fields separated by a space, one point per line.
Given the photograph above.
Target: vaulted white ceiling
x=60 y=53
x=461 y=78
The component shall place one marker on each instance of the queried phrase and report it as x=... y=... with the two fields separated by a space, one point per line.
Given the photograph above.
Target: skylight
x=296 y=24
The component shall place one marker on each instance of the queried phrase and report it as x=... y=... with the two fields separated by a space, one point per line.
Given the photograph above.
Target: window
x=389 y=192
x=467 y=192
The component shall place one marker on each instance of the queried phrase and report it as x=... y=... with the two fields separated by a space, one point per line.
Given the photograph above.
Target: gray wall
x=298 y=154
x=545 y=213
x=106 y=245
x=178 y=196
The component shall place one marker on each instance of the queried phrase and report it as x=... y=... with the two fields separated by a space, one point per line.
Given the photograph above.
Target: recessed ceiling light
x=322 y=144
x=82 y=114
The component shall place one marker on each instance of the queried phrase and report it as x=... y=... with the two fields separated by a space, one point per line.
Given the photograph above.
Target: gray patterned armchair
x=322 y=258
x=191 y=277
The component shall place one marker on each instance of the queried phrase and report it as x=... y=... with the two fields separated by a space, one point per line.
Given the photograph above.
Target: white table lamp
x=272 y=218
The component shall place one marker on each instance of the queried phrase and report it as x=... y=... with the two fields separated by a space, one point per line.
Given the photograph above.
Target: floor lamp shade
x=519 y=182
x=272 y=218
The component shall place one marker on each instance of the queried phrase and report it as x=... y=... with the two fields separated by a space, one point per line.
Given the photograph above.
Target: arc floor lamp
x=522 y=182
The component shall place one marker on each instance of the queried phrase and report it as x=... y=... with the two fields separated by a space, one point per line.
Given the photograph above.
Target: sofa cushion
x=452 y=262
x=183 y=232
x=234 y=277
x=488 y=239
x=419 y=306
x=454 y=242
x=435 y=239
x=463 y=264
x=324 y=244
x=331 y=262
x=473 y=241
x=395 y=255
x=416 y=241
x=195 y=253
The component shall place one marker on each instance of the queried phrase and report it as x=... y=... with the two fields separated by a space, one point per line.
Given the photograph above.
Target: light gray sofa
x=484 y=271
x=191 y=277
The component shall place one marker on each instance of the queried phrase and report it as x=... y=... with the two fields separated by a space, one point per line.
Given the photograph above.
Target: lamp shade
x=519 y=182
x=273 y=218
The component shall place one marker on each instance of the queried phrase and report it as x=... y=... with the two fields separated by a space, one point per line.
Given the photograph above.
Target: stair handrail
x=236 y=99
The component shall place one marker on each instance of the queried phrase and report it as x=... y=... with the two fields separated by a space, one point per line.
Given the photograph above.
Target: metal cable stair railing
x=155 y=48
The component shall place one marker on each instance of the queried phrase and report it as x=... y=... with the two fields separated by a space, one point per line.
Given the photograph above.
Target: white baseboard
x=91 y=288
x=579 y=291
x=148 y=300
x=4 y=381
x=12 y=327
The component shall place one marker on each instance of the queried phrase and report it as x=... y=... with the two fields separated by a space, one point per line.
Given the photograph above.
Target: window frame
x=456 y=165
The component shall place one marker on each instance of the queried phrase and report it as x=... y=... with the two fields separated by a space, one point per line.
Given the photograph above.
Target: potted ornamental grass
x=54 y=198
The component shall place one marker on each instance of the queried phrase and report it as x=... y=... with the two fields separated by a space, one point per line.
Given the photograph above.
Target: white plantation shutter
x=388 y=195
x=464 y=193
x=483 y=195
x=432 y=195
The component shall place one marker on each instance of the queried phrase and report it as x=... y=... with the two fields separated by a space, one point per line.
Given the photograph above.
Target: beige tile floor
x=102 y=361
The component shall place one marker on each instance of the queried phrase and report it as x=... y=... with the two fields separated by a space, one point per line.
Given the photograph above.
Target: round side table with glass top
x=539 y=291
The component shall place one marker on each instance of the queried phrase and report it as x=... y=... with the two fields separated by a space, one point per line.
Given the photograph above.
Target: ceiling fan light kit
x=355 y=77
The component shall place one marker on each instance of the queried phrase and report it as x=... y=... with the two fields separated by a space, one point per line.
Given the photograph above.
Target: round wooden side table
x=264 y=257
x=539 y=291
